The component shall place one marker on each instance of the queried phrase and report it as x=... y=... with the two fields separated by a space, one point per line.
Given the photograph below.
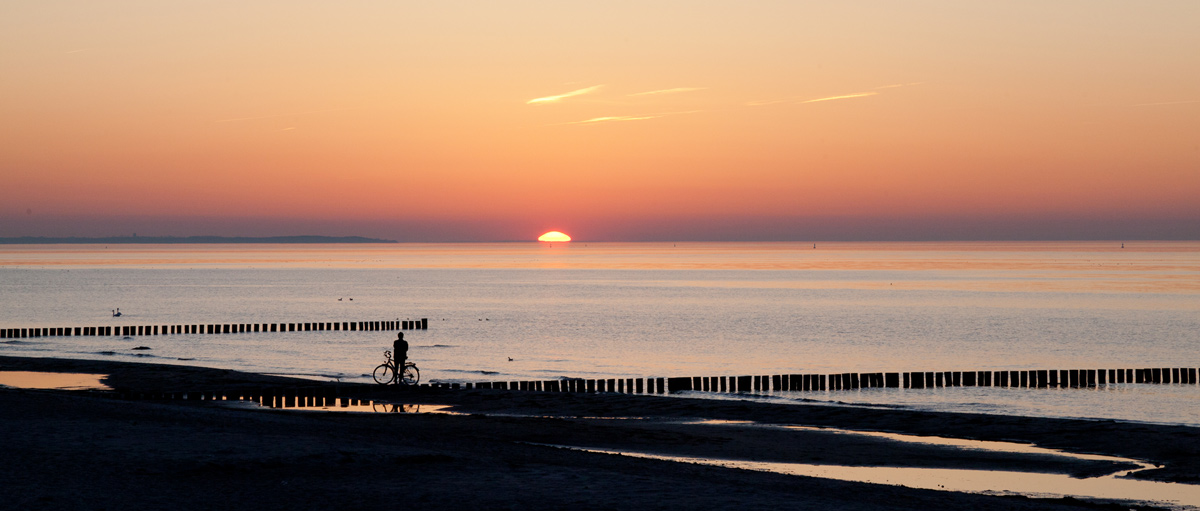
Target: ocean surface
x=594 y=310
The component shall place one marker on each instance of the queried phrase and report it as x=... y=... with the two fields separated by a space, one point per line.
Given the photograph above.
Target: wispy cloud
x=669 y=91
x=551 y=99
x=845 y=96
x=622 y=118
x=898 y=85
x=1169 y=103
x=617 y=118
x=830 y=98
x=764 y=102
x=236 y=119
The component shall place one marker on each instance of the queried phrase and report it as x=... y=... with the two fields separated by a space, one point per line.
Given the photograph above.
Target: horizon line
x=362 y=240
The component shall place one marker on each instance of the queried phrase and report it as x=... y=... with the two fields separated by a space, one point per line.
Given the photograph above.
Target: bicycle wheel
x=412 y=375
x=384 y=374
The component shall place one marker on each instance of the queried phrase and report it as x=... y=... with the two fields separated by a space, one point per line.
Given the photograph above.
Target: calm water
x=650 y=309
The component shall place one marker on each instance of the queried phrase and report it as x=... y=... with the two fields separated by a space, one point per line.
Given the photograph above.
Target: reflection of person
x=400 y=352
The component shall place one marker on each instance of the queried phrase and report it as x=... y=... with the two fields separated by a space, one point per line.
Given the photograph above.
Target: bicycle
x=385 y=373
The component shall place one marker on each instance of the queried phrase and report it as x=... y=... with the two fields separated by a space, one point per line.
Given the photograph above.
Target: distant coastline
x=188 y=240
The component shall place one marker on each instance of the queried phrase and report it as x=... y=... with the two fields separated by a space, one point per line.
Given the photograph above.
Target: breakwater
x=330 y=395
x=1031 y=378
x=214 y=328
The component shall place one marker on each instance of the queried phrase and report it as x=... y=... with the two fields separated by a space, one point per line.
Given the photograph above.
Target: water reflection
x=52 y=381
x=978 y=445
x=992 y=482
x=379 y=407
x=961 y=443
x=1158 y=260
x=345 y=405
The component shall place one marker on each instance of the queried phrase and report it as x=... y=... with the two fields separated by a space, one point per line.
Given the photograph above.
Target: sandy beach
x=89 y=450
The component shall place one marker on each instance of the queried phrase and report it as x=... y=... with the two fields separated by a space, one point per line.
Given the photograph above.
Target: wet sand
x=84 y=450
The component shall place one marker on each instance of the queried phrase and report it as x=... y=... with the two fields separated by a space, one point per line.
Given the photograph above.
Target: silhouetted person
x=400 y=353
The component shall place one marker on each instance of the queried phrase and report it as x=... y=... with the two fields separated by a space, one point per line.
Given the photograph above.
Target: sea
x=524 y=311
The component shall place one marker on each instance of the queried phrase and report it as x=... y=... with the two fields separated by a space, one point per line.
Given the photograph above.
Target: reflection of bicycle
x=385 y=373
x=392 y=408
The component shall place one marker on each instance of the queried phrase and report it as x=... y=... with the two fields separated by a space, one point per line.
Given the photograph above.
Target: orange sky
x=691 y=119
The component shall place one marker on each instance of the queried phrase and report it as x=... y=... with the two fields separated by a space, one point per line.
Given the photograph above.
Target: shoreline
x=491 y=446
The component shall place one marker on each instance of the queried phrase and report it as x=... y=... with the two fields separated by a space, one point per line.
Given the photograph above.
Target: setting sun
x=554 y=236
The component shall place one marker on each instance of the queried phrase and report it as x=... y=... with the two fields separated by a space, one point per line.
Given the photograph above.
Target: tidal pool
x=348 y=405
x=991 y=482
x=52 y=381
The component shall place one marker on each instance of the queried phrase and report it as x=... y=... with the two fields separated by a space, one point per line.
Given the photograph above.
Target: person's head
x=399 y=336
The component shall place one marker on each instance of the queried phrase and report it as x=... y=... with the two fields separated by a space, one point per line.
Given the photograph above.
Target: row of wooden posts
x=329 y=396
x=1036 y=378
x=275 y=397
x=223 y=328
x=284 y=397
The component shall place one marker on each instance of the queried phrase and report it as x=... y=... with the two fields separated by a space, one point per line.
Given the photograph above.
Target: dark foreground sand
x=83 y=450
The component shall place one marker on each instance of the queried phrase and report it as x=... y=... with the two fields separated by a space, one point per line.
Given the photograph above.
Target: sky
x=609 y=121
